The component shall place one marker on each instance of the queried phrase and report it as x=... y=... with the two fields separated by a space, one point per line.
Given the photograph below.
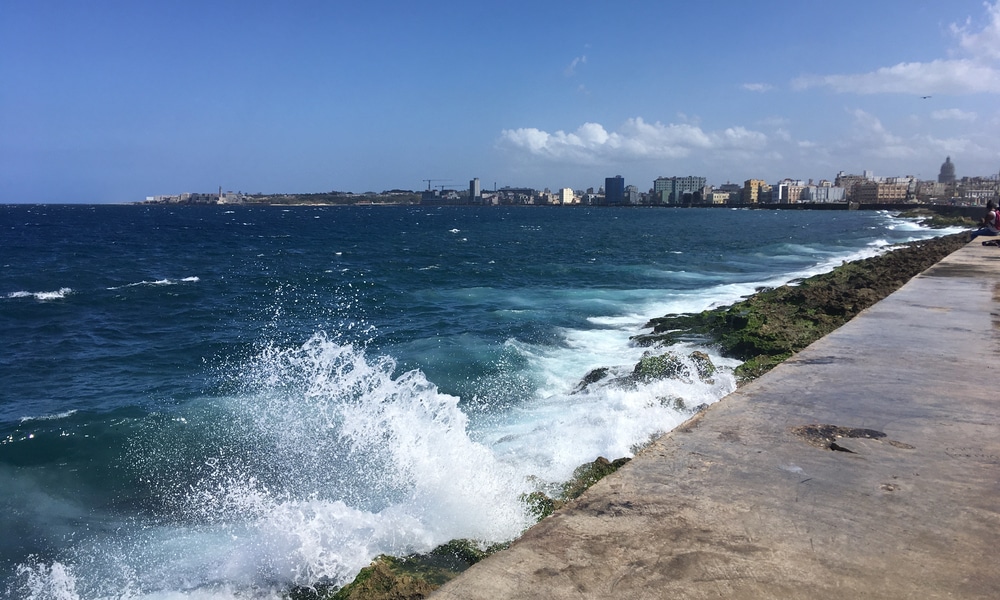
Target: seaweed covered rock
x=771 y=325
x=389 y=578
x=703 y=365
x=670 y=365
x=409 y=578
x=588 y=474
x=655 y=367
x=592 y=376
x=936 y=220
x=652 y=367
x=540 y=506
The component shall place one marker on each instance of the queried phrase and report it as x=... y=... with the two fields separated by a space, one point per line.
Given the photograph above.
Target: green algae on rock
x=771 y=325
x=936 y=220
x=584 y=476
x=408 y=578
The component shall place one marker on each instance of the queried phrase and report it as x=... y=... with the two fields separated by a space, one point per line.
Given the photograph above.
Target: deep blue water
x=222 y=401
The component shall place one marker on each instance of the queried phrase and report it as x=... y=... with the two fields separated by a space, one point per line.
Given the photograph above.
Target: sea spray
x=321 y=460
x=40 y=581
x=567 y=424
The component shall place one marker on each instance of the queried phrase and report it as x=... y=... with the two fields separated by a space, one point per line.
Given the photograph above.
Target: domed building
x=947 y=174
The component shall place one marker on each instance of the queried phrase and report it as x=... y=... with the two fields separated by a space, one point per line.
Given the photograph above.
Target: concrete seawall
x=867 y=466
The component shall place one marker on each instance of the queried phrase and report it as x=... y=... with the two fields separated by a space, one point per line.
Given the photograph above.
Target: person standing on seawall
x=990 y=223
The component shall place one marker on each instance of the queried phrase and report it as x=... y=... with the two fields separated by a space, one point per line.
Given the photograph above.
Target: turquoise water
x=217 y=402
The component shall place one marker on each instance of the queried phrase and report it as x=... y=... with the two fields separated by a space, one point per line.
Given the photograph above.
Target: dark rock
x=588 y=474
x=387 y=578
x=592 y=376
x=652 y=367
x=540 y=505
x=703 y=365
x=316 y=592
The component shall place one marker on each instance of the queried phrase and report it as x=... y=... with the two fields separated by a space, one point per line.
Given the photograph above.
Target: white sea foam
x=564 y=426
x=157 y=283
x=53 y=417
x=41 y=581
x=42 y=296
x=915 y=225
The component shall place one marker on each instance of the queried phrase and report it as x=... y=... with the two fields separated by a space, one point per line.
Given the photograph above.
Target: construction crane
x=430 y=180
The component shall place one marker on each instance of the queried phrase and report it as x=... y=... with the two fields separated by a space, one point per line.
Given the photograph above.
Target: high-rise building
x=672 y=190
x=614 y=189
x=632 y=195
x=947 y=174
x=475 y=194
x=752 y=189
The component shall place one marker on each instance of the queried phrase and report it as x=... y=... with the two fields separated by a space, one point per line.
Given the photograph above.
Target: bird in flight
x=924 y=97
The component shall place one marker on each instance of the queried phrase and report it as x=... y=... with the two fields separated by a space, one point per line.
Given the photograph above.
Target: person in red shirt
x=990 y=223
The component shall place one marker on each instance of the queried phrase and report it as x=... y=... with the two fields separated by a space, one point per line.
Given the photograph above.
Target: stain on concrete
x=730 y=435
x=994 y=316
x=826 y=436
x=973 y=453
x=958 y=270
x=819 y=360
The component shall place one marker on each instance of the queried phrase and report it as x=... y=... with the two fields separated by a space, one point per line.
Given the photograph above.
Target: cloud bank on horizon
x=972 y=68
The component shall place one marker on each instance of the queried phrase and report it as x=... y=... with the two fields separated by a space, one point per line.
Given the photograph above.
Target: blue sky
x=112 y=101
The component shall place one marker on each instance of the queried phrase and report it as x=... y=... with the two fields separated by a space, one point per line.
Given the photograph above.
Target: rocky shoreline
x=773 y=324
x=762 y=330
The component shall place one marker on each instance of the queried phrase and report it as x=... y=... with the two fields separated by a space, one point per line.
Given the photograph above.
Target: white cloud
x=869 y=138
x=571 y=69
x=873 y=139
x=954 y=114
x=985 y=44
x=939 y=76
x=636 y=139
x=770 y=148
x=758 y=87
x=976 y=73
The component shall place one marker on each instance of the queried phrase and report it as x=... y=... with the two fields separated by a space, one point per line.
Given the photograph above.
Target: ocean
x=225 y=401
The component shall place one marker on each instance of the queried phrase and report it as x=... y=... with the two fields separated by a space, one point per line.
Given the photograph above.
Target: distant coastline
x=944 y=214
x=845 y=191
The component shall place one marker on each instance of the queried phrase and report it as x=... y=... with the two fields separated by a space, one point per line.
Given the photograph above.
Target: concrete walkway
x=758 y=497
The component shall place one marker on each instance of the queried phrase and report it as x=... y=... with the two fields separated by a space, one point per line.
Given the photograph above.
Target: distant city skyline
x=115 y=101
